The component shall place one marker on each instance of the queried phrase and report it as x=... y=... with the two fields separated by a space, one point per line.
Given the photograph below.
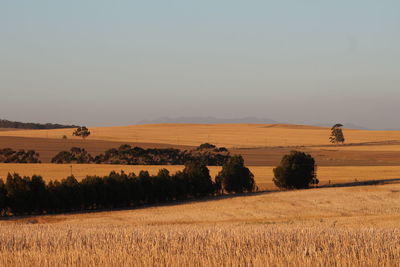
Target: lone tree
x=235 y=177
x=337 y=134
x=82 y=132
x=297 y=170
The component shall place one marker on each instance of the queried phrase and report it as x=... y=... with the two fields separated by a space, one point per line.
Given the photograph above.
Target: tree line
x=8 y=155
x=127 y=155
x=31 y=125
x=32 y=195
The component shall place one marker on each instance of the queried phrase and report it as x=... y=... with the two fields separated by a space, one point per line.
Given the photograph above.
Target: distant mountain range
x=31 y=125
x=350 y=125
x=347 y=125
x=255 y=120
x=207 y=120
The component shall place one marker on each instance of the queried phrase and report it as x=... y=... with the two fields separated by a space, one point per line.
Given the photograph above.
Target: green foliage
x=3 y=193
x=211 y=147
x=75 y=155
x=206 y=146
x=18 y=193
x=8 y=155
x=296 y=170
x=337 y=135
x=30 y=125
x=82 y=132
x=26 y=195
x=38 y=194
x=128 y=155
x=198 y=178
x=235 y=177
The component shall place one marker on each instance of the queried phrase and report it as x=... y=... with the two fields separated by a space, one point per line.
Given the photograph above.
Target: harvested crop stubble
x=196 y=245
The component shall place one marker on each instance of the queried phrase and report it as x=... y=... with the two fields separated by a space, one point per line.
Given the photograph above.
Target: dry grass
x=354 y=226
x=229 y=135
x=197 y=246
x=320 y=227
x=263 y=175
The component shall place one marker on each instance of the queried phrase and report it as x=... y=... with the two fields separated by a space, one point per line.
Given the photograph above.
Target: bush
x=8 y=155
x=206 y=146
x=75 y=155
x=296 y=170
x=235 y=177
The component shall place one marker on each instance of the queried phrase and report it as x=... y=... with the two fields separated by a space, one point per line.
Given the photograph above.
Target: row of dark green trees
x=207 y=154
x=8 y=155
x=31 y=195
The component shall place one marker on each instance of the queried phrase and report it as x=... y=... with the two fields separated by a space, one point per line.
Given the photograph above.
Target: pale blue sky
x=118 y=62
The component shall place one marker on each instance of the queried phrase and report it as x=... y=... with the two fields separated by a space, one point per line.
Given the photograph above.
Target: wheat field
x=319 y=227
x=345 y=226
x=237 y=245
x=228 y=135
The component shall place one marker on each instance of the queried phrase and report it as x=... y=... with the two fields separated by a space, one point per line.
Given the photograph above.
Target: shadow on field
x=31 y=218
x=361 y=183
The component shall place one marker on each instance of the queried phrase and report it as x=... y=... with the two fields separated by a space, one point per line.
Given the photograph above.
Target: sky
x=104 y=63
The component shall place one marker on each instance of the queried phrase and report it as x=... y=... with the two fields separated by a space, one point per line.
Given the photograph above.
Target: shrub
x=75 y=155
x=235 y=177
x=206 y=146
x=8 y=155
x=296 y=170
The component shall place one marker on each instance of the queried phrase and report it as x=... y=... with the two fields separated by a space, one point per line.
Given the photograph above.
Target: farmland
x=355 y=225
x=263 y=174
x=319 y=227
x=227 y=135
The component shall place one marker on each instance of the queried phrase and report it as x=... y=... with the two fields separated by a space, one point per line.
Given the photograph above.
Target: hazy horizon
x=103 y=63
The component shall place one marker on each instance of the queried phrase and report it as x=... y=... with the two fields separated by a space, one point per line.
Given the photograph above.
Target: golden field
x=343 y=226
x=260 y=145
x=355 y=226
x=228 y=135
x=262 y=175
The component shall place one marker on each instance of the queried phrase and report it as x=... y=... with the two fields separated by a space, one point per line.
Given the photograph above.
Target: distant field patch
x=228 y=135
